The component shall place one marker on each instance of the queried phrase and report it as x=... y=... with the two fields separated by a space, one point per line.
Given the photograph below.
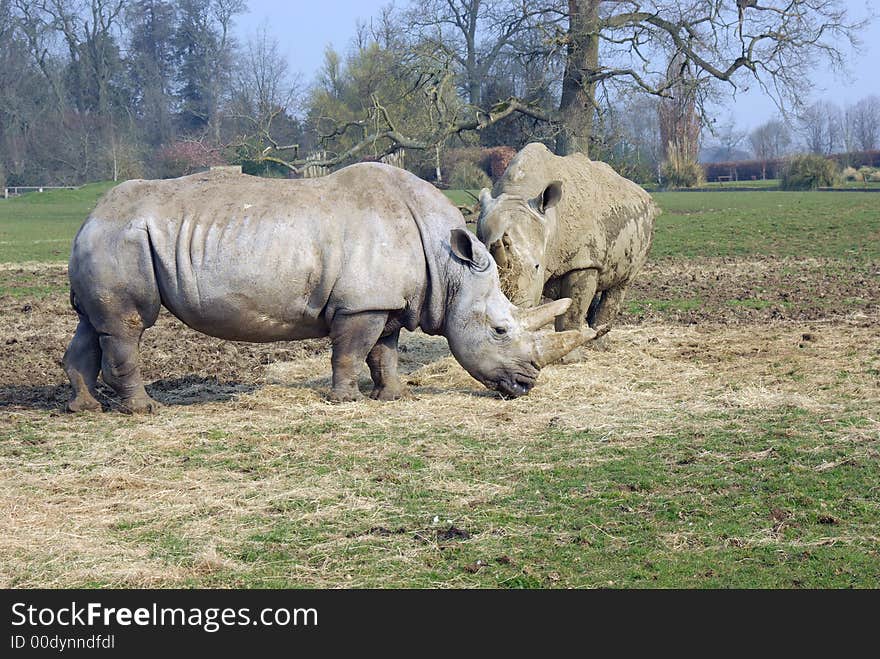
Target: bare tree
x=612 y=46
x=864 y=123
x=774 y=43
x=820 y=127
x=87 y=28
x=263 y=77
x=769 y=141
x=642 y=131
x=727 y=138
x=265 y=96
x=474 y=32
x=679 y=119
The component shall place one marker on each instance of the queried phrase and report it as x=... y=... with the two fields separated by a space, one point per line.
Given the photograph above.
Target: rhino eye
x=500 y=331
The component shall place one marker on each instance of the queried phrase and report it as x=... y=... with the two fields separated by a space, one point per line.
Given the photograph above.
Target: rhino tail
x=74 y=303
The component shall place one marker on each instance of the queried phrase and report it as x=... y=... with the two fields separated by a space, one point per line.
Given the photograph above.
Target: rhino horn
x=553 y=346
x=485 y=197
x=535 y=318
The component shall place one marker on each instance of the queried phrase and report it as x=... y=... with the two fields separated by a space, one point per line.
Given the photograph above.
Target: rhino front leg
x=382 y=361
x=354 y=337
x=580 y=286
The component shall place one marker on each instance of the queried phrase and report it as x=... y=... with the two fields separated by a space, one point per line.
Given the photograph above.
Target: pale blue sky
x=305 y=28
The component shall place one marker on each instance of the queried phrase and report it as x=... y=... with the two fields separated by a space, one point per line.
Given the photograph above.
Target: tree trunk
x=577 y=107
x=473 y=69
x=438 y=170
x=474 y=79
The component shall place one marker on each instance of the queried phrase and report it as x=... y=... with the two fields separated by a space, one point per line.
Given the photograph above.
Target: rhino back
x=603 y=219
x=260 y=260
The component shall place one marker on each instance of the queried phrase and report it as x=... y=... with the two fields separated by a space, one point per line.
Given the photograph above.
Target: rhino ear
x=550 y=197
x=491 y=227
x=466 y=247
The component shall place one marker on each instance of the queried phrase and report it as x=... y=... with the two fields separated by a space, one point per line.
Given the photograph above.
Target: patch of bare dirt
x=188 y=366
x=185 y=367
x=746 y=291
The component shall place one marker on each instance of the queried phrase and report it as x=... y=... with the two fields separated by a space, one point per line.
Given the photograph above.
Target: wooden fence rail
x=17 y=190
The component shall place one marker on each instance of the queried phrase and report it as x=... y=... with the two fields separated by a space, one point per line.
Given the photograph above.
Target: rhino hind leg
x=120 y=323
x=382 y=361
x=607 y=309
x=120 y=369
x=594 y=307
x=82 y=362
x=353 y=337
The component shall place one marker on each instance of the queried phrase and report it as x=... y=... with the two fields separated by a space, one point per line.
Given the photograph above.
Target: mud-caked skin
x=356 y=256
x=567 y=227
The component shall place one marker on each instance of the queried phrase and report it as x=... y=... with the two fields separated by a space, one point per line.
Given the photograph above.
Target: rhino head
x=497 y=343
x=517 y=230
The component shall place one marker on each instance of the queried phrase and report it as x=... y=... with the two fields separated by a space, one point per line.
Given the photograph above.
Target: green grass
x=743 y=499
x=857 y=185
x=796 y=224
x=720 y=185
x=462 y=197
x=39 y=226
x=773 y=184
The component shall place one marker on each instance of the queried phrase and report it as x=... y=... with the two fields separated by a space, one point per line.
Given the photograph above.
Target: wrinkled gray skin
x=355 y=256
x=567 y=227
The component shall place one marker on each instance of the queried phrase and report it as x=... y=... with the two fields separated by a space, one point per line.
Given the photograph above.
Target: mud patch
x=183 y=365
x=747 y=291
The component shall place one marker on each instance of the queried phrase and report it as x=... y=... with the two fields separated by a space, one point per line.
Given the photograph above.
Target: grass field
x=773 y=184
x=766 y=224
x=39 y=226
x=726 y=435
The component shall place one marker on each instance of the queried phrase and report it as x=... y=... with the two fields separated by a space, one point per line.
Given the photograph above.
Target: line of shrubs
x=810 y=172
x=803 y=172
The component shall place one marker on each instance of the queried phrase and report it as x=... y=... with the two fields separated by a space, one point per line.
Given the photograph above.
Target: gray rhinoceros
x=355 y=256
x=567 y=227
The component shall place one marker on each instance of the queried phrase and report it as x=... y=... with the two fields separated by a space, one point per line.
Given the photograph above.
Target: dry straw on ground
x=88 y=499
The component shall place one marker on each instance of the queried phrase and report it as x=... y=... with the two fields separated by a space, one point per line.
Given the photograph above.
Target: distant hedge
x=754 y=170
x=744 y=170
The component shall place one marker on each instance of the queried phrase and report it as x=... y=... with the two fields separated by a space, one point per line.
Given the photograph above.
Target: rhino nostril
x=525 y=385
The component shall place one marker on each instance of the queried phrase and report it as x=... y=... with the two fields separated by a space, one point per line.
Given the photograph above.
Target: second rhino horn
x=537 y=317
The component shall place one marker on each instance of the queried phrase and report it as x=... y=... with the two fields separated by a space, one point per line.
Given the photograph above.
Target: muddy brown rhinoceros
x=355 y=256
x=567 y=227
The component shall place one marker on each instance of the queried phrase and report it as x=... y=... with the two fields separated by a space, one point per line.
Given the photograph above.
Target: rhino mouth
x=514 y=386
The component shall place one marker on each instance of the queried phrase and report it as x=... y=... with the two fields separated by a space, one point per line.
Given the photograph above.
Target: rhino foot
x=345 y=396
x=389 y=393
x=84 y=404
x=141 y=405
